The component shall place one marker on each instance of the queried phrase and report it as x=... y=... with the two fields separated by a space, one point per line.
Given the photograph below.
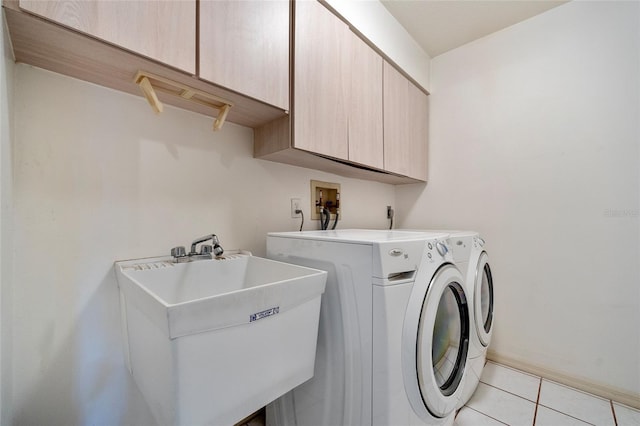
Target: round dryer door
x=483 y=296
x=436 y=342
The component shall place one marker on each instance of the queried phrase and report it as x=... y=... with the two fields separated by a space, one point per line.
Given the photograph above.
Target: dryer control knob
x=442 y=249
x=481 y=242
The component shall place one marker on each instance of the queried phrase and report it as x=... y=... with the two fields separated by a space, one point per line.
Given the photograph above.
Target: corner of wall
x=6 y=204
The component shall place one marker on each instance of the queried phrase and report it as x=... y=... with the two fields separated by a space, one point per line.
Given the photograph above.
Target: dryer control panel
x=438 y=250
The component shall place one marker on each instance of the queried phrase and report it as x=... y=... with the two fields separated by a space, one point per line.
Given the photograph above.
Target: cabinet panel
x=244 y=46
x=418 y=142
x=365 y=105
x=405 y=126
x=160 y=30
x=321 y=81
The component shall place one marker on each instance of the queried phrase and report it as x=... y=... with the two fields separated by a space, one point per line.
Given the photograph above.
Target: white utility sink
x=209 y=342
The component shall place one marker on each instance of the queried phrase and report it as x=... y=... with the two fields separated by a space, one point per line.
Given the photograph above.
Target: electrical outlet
x=295 y=205
x=389 y=212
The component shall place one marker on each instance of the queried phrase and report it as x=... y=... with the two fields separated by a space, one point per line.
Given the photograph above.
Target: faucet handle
x=206 y=249
x=178 y=251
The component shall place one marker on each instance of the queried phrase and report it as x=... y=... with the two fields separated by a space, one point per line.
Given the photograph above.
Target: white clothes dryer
x=469 y=253
x=394 y=329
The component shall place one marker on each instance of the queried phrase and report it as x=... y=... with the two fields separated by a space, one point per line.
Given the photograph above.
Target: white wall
x=99 y=178
x=377 y=24
x=534 y=142
x=6 y=123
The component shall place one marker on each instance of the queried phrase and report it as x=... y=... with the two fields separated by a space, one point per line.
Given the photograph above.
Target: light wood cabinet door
x=161 y=30
x=418 y=142
x=321 y=81
x=405 y=126
x=244 y=46
x=365 y=105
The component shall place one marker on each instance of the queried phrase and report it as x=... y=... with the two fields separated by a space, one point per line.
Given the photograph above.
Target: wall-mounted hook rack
x=151 y=83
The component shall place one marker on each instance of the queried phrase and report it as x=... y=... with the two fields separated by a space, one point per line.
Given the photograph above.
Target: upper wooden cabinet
x=350 y=114
x=244 y=46
x=160 y=30
x=321 y=81
x=406 y=114
x=109 y=42
x=365 y=139
x=337 y=89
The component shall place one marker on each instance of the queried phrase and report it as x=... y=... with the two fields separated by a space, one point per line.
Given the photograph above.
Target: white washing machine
x=394 y=329
x=470 y=255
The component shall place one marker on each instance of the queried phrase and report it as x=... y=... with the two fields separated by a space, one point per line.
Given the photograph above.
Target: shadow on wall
x=87 y=382
x=407 y=199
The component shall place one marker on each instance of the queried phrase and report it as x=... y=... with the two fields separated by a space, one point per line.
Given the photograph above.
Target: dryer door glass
x=484 y=300
x=450 y=336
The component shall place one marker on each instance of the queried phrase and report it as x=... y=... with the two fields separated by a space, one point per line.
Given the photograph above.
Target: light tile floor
x=510 y=397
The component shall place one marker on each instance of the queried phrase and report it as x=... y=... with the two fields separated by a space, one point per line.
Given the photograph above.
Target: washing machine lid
x=362 y=236
x=483 y=300
x=436 y=342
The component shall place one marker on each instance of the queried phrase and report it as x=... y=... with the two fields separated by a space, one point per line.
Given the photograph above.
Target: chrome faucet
x=215 y=247
x=207 y=251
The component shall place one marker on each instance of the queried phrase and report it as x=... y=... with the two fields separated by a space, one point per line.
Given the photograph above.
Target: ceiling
x=442 y=25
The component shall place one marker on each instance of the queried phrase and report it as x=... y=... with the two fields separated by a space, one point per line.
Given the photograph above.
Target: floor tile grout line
x=506 y=391
x=576 y=389
x=486 y=415
x=568 y=415
x=583 y=393
x=535 y=413
x=537 y=402
x=553 y=409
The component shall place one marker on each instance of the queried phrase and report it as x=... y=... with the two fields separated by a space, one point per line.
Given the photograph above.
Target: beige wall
x=534 y=142
x=99 y=178
x=6 y=213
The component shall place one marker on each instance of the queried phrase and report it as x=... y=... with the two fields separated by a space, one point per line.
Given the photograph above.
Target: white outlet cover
x=295 y=205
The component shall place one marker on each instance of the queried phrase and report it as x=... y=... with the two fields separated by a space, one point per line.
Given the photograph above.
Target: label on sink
x=264 y=314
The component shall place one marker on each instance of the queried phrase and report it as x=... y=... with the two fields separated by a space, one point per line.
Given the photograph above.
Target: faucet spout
x=217 y=248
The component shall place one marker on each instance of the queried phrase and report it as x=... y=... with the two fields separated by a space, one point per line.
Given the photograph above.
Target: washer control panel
x=438 y=250
x=478 y=242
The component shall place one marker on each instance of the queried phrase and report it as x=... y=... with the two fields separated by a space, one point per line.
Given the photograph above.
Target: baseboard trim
x=604 y=391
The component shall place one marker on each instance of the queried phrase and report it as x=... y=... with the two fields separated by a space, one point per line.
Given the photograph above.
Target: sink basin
x=211 y=341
